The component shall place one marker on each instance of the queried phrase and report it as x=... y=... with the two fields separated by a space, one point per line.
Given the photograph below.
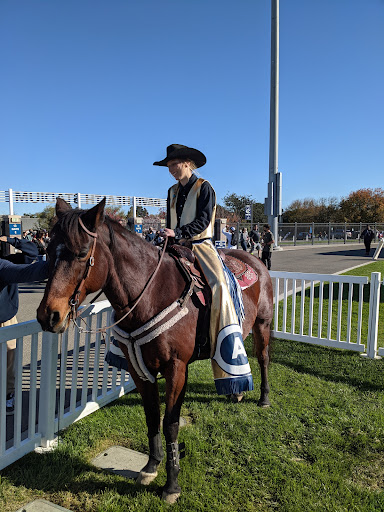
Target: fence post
x=78 y=198
x=295 y=235
x=47 y=396
x=313 y=233
x=10 y=194
x=373 y=319
x=329 y=233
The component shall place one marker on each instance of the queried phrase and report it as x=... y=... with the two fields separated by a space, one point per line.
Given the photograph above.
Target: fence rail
x=327 y=310
x=59 y=380
x=62 y=378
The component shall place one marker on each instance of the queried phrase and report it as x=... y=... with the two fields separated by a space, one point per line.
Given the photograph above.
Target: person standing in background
x=267 y=244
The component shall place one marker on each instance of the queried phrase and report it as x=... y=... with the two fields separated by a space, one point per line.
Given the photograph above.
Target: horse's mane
x=68 y=224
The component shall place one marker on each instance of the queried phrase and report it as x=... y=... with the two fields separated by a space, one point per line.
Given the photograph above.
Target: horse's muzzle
x=52 y=321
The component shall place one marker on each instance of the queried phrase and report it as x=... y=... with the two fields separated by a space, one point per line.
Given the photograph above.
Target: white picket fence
x=59 y=380
x=327 y=310
x=63 y=378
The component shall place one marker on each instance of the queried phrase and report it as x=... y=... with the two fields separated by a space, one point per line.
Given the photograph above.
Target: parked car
x=339 y=233
x=303 y=235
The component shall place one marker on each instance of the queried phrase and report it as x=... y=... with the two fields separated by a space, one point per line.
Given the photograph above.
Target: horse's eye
x=82 y=255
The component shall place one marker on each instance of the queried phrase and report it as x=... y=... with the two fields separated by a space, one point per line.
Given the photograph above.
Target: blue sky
x=92 y=92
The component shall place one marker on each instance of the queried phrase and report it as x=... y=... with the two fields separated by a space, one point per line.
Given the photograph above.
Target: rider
x=191 y=208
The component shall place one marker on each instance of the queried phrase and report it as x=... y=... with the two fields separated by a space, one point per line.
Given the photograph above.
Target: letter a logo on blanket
x=230 y=353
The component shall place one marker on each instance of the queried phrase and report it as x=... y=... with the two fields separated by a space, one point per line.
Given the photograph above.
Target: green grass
x=320 y=447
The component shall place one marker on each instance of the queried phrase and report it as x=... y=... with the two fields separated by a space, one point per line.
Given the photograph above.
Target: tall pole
x=273 y=203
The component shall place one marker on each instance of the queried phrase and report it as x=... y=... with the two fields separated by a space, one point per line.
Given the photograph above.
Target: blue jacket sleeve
x=11 y=273
x=25 y=246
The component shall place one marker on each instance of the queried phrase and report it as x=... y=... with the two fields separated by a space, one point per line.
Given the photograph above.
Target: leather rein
x=75 y=298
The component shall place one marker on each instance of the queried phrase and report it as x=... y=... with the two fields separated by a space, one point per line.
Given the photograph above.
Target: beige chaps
x=222 y=310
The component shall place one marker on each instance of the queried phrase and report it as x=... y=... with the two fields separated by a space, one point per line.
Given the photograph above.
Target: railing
x=59 y=380
x=62 y=378
x=328 y=310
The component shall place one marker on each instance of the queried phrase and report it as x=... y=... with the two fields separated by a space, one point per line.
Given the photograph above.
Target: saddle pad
x=245 y=274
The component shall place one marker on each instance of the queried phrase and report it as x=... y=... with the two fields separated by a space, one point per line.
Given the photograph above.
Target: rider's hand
x=169 y=232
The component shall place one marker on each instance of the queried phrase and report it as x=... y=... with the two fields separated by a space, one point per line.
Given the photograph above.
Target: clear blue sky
x=92 y=92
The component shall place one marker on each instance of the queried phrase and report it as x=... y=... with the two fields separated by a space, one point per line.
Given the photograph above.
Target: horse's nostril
x=54 y=318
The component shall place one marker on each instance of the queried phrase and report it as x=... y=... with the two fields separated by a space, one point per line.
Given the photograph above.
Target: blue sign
x=248 y=212
x=138 y=228
x=14 y=229
x=220 y=244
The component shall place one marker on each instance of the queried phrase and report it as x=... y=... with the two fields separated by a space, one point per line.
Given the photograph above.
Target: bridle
x=75 y=297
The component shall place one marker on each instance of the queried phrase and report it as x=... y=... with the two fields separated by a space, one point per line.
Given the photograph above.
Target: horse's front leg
x=151 y=402
x=150 y=395
x=176 y=382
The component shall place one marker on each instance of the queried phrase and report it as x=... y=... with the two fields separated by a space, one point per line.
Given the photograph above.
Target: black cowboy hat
x=178 y=151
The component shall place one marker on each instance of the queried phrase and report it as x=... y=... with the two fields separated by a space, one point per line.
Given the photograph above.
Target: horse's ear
x=62 y=206
x=95 y=216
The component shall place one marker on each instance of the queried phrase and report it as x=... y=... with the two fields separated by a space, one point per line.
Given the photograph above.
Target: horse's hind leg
x=261 y=334
x=150 y=396
x=176 y=382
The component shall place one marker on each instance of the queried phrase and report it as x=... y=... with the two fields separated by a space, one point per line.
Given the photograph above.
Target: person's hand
x=169 y=232
x=3 y=238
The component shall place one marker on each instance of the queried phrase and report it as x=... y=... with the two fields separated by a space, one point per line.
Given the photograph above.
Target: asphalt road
x=314 y=259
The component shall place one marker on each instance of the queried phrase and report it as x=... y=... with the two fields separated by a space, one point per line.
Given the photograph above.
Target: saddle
x=186 y=261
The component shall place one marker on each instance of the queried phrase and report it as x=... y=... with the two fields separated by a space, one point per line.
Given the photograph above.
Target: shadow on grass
x=61 y=470
x=339 y=366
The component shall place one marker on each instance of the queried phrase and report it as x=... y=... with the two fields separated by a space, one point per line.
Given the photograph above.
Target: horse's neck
x=133 y=263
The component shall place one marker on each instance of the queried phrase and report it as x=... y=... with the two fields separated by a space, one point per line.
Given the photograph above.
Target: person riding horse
x=191 y=209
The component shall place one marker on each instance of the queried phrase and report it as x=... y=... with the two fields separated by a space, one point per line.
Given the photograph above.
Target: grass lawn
x=320 y=447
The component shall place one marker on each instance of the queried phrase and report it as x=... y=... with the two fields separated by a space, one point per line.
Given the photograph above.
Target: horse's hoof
x=170 y=498
x=264 y=404
x=145 y=478
x=236 y=397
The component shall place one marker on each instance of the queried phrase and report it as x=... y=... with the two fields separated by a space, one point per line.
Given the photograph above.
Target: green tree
x=140 y=212
x=44 y=219
x=236 y=204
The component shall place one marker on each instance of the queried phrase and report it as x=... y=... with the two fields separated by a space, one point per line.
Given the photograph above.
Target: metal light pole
x=273 y=201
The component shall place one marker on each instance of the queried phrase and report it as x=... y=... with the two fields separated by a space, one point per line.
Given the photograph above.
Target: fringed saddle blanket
x=233 y=365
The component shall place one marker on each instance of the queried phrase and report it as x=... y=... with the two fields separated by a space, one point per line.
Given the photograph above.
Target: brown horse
x=123 y=264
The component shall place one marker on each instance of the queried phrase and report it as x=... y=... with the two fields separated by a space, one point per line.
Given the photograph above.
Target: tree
x=312 y=210
x=115 y=212
x=44 y=219
x=365 y=205
x=236 y=205
x=140 y=212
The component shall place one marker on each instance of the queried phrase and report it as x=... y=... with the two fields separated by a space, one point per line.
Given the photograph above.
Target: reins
x=74 y=300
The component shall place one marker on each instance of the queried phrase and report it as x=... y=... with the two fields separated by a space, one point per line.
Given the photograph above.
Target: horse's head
x=77 y=264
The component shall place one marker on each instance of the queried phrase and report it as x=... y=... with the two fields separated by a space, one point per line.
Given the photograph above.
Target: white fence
x=59 y=380
x=327 y=310
x=62 y=378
